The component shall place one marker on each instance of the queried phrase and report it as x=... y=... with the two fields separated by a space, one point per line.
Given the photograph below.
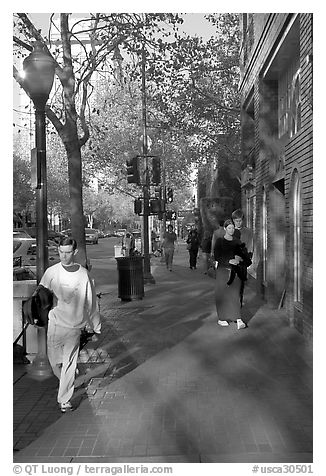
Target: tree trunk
x=76 y=198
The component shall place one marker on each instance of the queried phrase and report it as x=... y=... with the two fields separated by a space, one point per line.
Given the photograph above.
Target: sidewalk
x=164 y=383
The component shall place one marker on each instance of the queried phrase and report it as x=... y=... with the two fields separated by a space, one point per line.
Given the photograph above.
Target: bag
x=36 y=308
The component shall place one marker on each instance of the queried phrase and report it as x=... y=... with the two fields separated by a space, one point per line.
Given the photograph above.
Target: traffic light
x=169 y=195
x=156 y=170
x=138 y=206
x=132 y=170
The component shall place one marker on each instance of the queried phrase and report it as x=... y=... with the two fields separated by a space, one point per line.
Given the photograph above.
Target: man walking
x=242 y=232
x=74 y=308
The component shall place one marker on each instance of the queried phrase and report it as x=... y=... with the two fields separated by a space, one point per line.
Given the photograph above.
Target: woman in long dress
x=227 y=253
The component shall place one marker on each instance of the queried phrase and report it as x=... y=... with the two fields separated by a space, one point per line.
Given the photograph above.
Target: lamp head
x=39 y=69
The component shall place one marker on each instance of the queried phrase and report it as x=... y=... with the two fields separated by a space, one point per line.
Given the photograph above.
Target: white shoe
x=241 y=324
x=223 y=323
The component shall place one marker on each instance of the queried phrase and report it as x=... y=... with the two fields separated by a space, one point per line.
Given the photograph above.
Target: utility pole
x=148 y=278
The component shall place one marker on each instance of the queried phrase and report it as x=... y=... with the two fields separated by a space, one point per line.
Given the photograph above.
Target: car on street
x=91 y=236
x=20 y=234
x=52 y=234
x=121 y=232
x=24 y=250
x=53 y=253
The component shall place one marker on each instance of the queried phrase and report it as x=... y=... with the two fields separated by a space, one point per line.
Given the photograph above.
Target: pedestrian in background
x=228 y=253
x=193 y=246
x=206 y=245
x=128 y=244
x=74 y=308
x=153 y=241
x=169 y=239
x=219 y=232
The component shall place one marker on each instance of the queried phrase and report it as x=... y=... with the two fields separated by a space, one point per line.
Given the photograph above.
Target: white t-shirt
x=74 y=303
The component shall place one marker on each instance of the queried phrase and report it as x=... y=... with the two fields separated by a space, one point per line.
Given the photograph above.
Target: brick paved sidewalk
x=165 y=383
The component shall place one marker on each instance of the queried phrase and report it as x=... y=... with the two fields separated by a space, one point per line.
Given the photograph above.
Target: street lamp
x=148 y=278
x=39 y=69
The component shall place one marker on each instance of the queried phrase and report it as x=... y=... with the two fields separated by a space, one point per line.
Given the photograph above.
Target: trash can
x=130 y=278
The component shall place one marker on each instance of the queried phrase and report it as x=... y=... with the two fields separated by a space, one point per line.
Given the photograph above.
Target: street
x=104 y=267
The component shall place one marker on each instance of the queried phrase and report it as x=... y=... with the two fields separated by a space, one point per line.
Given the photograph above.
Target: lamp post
x=39 y=70
x=148 y=278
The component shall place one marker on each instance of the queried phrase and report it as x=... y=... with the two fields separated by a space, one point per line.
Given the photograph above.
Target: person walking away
x=245 y=235
x=217 y=233
x=193 y=245
x=169 y=238
x=128 y=244
x=227 y=253
x=206 y=249
x=74 y=308
x=153 y=240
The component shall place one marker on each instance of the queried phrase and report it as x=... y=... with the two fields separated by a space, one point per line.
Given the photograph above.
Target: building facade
x=277 y=161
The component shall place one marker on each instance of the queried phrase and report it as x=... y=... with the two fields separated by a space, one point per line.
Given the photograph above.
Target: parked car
x=91 y=236
x=24 y=251
x=22 y=235
x=53 y=253
x=101 y=234
x=121 y=232
x=66 y=232
x=55 y=235
x=32 y=231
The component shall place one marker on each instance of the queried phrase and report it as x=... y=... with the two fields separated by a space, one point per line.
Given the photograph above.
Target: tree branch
x=22 y=43
x=213 y=99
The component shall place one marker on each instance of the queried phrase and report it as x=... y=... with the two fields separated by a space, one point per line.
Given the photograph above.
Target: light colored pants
x=63 y=348
x=168 y=253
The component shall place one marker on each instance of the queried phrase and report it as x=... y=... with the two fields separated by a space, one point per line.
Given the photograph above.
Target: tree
x=69 y=109
x=195 y=90
x=23 y=194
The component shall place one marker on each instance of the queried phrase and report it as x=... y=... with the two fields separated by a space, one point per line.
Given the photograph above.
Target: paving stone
x=166 y=390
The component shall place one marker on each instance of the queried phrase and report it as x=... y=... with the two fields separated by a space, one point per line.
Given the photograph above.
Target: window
x=297 y=260
x=251 y=212
x=289 y=101
x=295 y=105
x=264 y=234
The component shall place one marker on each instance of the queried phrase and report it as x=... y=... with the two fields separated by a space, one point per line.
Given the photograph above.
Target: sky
x=194 y=23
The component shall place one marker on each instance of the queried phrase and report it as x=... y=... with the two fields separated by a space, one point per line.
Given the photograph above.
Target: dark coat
x=241 y=269
x=37 y=307
x=193 y=241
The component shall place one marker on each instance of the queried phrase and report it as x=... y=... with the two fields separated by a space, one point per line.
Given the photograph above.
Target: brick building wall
x=299 y=157
x=282 y=161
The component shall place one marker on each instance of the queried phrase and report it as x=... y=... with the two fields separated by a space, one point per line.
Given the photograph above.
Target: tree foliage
x=23 y=194
x=195 y=88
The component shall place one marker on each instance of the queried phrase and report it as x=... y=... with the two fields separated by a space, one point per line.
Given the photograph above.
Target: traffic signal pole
x=148 y=278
